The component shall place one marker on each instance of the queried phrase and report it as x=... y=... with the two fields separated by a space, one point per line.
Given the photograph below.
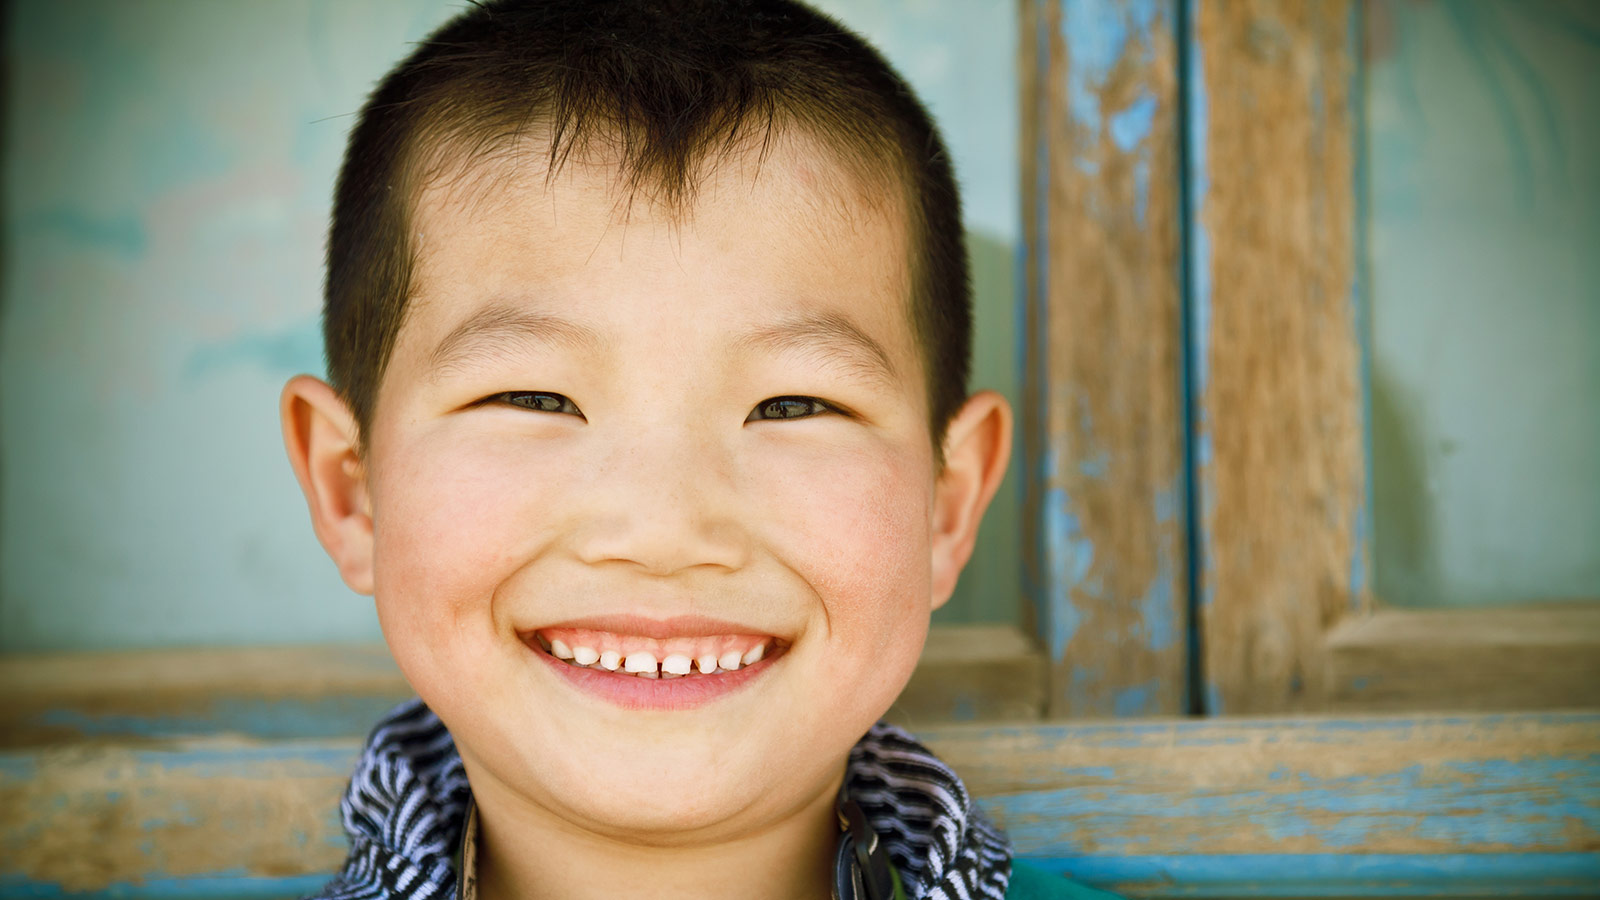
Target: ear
x=977 y=447
x=322 y=438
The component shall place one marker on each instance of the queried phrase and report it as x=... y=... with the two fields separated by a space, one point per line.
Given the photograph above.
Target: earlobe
x=977 y=448
x=322 y=439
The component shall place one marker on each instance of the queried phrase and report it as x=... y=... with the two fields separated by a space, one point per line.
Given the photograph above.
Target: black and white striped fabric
x=407 y=803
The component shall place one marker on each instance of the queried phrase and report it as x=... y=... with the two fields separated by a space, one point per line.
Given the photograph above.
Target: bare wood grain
x=1467 y=659
x=1102 y=412
x=1280 y=455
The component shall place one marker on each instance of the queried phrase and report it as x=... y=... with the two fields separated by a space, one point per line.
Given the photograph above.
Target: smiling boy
x=647 y=328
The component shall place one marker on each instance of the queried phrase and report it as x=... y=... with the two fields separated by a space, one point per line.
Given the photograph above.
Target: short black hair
x=671 y=83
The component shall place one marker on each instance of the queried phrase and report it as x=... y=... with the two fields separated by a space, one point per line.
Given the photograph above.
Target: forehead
x=766 y=231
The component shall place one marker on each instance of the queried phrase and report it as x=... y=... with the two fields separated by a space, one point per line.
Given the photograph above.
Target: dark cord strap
x=862 y=870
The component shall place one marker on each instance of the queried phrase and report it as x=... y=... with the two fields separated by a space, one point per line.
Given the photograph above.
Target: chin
x=673 y=798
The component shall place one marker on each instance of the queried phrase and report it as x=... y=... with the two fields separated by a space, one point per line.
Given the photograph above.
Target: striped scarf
x=407 y=804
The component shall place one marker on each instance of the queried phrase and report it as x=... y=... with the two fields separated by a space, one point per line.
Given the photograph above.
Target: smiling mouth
x=700 y=657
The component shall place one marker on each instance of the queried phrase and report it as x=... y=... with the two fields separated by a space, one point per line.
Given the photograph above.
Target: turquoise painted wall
x=1484 y=165
x=167 y=171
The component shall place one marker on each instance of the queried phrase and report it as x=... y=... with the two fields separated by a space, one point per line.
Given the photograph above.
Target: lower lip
x=633 y=692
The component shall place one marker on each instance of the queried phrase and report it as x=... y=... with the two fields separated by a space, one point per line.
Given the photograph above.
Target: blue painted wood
x=217 y=887
x=1519 y=875
x=1430 y=806
x=1103 y=481
x=1341 y=875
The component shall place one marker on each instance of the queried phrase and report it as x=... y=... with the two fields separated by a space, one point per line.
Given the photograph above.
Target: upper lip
x=656 y=629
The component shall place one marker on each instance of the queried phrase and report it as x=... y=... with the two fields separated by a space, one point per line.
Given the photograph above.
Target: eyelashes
x=789 y=408
x=539 y=401
x=782 y=408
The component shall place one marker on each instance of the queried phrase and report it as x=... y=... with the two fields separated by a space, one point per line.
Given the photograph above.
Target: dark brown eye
x=787 y=408
x=539 y=401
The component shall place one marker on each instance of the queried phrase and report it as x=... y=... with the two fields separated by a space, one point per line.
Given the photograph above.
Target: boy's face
x=576 y=441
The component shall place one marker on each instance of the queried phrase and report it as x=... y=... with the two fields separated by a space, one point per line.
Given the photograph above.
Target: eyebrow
x=493 y=331
x=831 y=336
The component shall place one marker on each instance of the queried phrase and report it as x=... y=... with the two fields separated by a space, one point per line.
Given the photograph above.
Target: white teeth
x=644 y=664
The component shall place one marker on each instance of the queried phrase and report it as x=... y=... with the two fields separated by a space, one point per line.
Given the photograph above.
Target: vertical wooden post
x=1278 y=411
x=1104 y=510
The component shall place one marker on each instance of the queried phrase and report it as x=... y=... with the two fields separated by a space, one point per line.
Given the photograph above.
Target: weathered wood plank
x=303 y=691
x=1276 y=379
x=1515 y=783
x=1104 y=549
x=973 y=673
x=1469 y=805
x=967 y=673
x=1469 y=659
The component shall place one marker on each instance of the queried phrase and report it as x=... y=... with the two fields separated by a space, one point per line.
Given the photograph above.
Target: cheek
x=442 y=517
x=857 y=529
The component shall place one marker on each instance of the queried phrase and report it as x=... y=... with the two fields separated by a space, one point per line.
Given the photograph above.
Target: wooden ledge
x=967 y=673
x=1465 y=805
x=1519 y=658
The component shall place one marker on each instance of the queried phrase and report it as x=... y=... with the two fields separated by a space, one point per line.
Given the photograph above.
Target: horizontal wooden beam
x=1467 y=659
x=1466 y=805
x=968 y=673
x=306 y=691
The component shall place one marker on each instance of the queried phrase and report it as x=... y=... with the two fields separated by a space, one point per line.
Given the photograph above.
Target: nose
x=665 y=501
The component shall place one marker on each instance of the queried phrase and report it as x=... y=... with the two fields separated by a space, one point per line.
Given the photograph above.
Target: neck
x=527 y=853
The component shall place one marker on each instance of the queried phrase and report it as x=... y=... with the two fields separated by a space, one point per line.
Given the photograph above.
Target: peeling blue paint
x=1093 y=40
x=1130 y=126
x=18 y=767
x=1158 y=613
x=1231 y=875
x=1139 y=699
x=1503 y=803
x=234 y=884
x=1070 y=557
x=1169 y=503
x=1096 y=466
x=1335 y=875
